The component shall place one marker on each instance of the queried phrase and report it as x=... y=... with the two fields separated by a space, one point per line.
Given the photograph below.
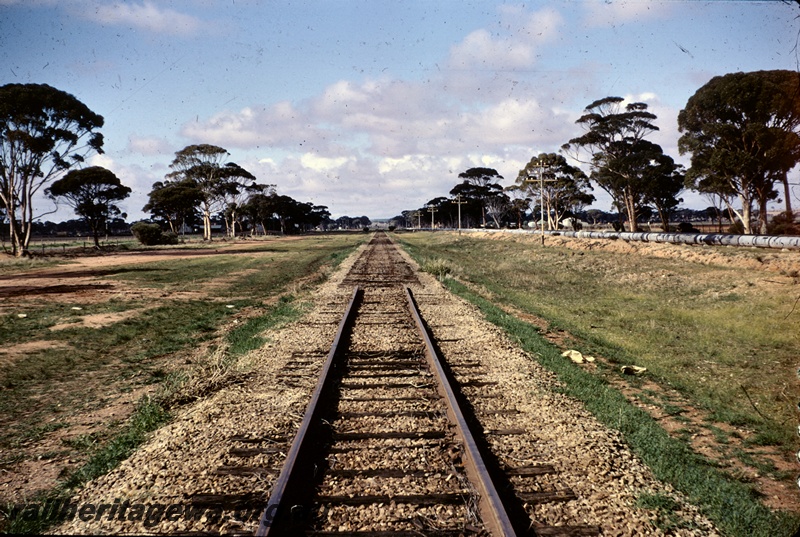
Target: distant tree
x=498 y=205
x=410 y=218
x=477 y=200
x=92 y=193
x=318 y=216
x=358 y=222
x=240 y=184
x=597 y=216
x=174 y=201
x=716 y=209
x=289 y=215
x=259 y=209
x=203 y=164
x=615 y=137
x=44 y=132
x=519 y=203
x=473 y=204
x=397 y=221
x=663 y=181
x=484 y=183
x=563 y=189
x=742 y=132
x=442 y=212
x=343 y=222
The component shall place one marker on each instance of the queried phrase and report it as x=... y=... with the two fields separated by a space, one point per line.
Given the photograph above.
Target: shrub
x=169 y=238
x=147 y=234
x=783 y=224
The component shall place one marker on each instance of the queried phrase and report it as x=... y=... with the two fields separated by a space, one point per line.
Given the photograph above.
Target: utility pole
x=460 y=203
x=432 y=210
x=541 y=166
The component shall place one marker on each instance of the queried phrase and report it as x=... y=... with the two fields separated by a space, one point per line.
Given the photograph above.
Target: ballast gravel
x=152 y=491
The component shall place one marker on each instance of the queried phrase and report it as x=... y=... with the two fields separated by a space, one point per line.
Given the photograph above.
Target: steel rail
x=278 y=511
x=493 y=512
x=277 y=508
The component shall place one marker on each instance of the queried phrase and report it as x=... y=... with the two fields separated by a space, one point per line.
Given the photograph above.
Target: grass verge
x=732 y=505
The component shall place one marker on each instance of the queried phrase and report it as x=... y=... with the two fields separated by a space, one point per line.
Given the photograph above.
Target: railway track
x=394 y=441
x=385 y=456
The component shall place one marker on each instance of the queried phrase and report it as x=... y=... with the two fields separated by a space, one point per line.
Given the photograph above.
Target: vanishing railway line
x=394 y=441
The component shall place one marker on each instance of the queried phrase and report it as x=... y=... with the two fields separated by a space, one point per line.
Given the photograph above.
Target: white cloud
x=280 y=125
x=318 y=163
x=512 y=46
x=146 y=16
x=406 y=144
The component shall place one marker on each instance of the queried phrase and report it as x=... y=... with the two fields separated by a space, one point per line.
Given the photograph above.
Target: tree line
x=740 y=129
x=47 y=134
x=203 y=185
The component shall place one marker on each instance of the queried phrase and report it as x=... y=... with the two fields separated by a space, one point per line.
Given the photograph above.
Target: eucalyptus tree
x=480 y=184
x=43 y=133
x=472 y=202
x=92 y=193
x=203 y=164
x=248 y=204
x=620 y=155
x=563 y=187
x=240 y=184
x=663 y=183
x=259 y=209
x=175 y=202
x=441 y=210
x=519 y=202
x=742 y=132
x=291 y=216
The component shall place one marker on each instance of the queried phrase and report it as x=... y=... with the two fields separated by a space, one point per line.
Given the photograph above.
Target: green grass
x=15 y=265
x=732 y=505
x=247 y=337
x=147 y=417
x=593 y=298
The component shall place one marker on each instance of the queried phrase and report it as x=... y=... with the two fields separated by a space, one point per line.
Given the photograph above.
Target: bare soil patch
x=98 y=320
x=13 y=352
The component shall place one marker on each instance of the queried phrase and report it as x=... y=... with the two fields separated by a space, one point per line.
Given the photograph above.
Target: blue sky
x=372 y=107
